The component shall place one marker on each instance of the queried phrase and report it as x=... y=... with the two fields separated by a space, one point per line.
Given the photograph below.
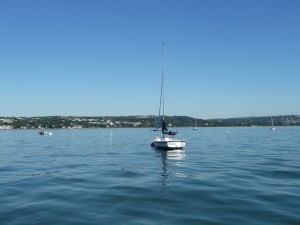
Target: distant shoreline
x=95 y=128
x=72 y=122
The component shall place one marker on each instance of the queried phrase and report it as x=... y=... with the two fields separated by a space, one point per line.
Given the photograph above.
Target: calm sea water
x=113 y=176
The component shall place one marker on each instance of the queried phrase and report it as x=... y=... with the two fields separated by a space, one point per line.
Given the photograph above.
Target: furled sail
x=165 y=129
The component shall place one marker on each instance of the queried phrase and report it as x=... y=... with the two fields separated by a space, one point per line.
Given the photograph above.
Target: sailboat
x=195 y=128
x=272 y=126
x=167 y=141
x=42 y=132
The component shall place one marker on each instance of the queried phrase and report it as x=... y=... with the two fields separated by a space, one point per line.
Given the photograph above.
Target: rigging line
x=158 y=118
x=170 y=87
x=173 y=109
x=163 y=81
x=162 y=90
x=171 y=105
x=168 y=82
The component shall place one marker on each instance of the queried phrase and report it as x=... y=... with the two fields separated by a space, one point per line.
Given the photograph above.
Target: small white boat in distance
x=167 y=141
x=195 y=128
x=272 y=126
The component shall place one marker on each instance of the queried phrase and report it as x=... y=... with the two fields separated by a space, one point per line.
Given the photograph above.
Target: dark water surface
x=113 y=176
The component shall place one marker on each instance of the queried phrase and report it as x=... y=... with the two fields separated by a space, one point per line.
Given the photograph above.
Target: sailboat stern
x=168 y=143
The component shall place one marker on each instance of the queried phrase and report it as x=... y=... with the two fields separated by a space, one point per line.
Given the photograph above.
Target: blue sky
x=104 y=57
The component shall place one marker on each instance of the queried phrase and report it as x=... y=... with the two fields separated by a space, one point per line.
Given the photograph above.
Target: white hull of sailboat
x=168 y=143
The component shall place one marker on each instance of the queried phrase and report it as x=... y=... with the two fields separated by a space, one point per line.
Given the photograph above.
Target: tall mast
x=162 y=83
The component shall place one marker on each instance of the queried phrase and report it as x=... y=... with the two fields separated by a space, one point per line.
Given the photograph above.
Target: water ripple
x=243 y=176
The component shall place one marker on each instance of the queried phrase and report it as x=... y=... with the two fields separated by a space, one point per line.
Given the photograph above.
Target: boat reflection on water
x=170 y=160
x=171 y=163
x=178 y=154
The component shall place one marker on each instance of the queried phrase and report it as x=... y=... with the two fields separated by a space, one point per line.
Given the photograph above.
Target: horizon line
x=240 y=117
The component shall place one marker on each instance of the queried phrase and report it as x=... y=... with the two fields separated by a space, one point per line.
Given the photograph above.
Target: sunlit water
x=113 y=176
